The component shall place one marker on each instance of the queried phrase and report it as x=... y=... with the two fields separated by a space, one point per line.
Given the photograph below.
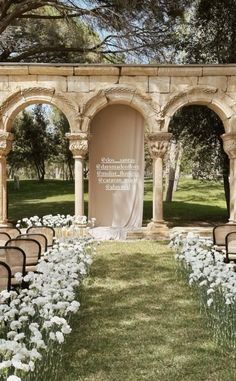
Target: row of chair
x=224 y=239
x=21 y=252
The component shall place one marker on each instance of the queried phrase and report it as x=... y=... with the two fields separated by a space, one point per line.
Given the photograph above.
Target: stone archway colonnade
x=155 y=91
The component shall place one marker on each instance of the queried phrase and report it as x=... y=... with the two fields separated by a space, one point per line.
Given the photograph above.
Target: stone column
x=229 y=141
x=5 y=147
x=79 y=148
x=158 y=143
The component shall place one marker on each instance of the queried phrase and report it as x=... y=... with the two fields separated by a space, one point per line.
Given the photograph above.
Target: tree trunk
x=227 y=191
x=178 y=164
x=40 y=169
x=171 y=175
x=71 y=175
x=225 y=166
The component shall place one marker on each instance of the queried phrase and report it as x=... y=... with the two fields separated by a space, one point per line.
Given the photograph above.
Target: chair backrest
x=4 y=237
x=14 y=257
x=48 y=231
x=12 y=231
x=230 y=241
x=5 y=277
x=31 y=248
x=220 y=232
x=41 y=238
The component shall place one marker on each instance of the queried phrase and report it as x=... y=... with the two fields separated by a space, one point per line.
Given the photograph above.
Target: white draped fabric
x=116 y=168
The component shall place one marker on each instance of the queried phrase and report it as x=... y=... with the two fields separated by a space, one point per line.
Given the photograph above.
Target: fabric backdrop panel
x=116 y=167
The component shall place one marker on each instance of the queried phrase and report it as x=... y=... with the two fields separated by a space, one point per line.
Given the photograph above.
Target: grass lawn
x=140 y=322
x=195 y=200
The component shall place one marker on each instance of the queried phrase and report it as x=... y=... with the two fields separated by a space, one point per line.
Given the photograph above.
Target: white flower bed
x=215 y=280
x=57 y=220
x=35 y=321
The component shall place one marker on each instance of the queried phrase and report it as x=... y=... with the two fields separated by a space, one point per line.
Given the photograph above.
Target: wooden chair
x=5 y=277
x=41 y=238
x=48 y=231
x=4 y=237
x=31 y=248
x=12 y=231
x=15 y=258
x=230 y=243
x=219 y=235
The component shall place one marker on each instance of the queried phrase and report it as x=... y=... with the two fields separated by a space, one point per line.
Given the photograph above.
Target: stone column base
x=4 y=224
x=157 y=230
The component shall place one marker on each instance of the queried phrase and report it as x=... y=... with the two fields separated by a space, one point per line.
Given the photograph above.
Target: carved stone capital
x=6 y=139
x=158 y=143
x=229 y=142
x=78 y=144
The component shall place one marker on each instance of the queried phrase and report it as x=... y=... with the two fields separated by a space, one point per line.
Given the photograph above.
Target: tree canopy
x=40 y=140
x=68 y=30
x=211 y=34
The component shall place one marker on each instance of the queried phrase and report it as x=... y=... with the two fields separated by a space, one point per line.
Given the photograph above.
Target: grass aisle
x=139 y=322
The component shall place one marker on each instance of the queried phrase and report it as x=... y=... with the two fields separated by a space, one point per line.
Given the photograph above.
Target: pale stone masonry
x=81 y=91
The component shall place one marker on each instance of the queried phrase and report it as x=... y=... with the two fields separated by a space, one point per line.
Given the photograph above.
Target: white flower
x=60 y=337
x=5 y=364
x=13 y=378
x=49 y=299
x=66 y=329
x=19 y=365
x=210 y=291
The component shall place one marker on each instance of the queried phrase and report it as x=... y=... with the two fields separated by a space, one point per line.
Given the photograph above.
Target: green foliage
x=40 y=142
x=48 y=37
x=211 y=35
x=34 y=143
x=199 y=129
x=64 y=156
x=73 y=31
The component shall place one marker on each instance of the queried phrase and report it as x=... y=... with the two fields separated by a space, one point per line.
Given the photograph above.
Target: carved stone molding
x=23 y=95
x=78 y=144
x=229 y=142
x=217 y=100
x=198 y=91
x=120 y=94
x=158 y=143
x=6 y=139
x=19 y=99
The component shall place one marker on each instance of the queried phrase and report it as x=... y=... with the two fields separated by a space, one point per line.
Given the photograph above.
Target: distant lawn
x=198 y=201
x=40 y=198
x=140 y=322
x=195 y=201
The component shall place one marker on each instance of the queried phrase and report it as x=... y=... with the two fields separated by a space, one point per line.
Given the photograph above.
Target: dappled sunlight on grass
x=194 y=201
x=139 y=322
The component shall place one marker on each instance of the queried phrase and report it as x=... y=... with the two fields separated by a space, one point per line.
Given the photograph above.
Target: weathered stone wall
x=82 y=90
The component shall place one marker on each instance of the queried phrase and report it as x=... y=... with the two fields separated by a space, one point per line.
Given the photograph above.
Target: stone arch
x=120 y=94
x=22 y=98
x=216 y=100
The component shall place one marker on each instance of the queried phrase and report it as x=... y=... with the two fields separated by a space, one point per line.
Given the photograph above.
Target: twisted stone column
x=157 y=144
x=79 y=148
x=6 y=139
x=229 y=142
